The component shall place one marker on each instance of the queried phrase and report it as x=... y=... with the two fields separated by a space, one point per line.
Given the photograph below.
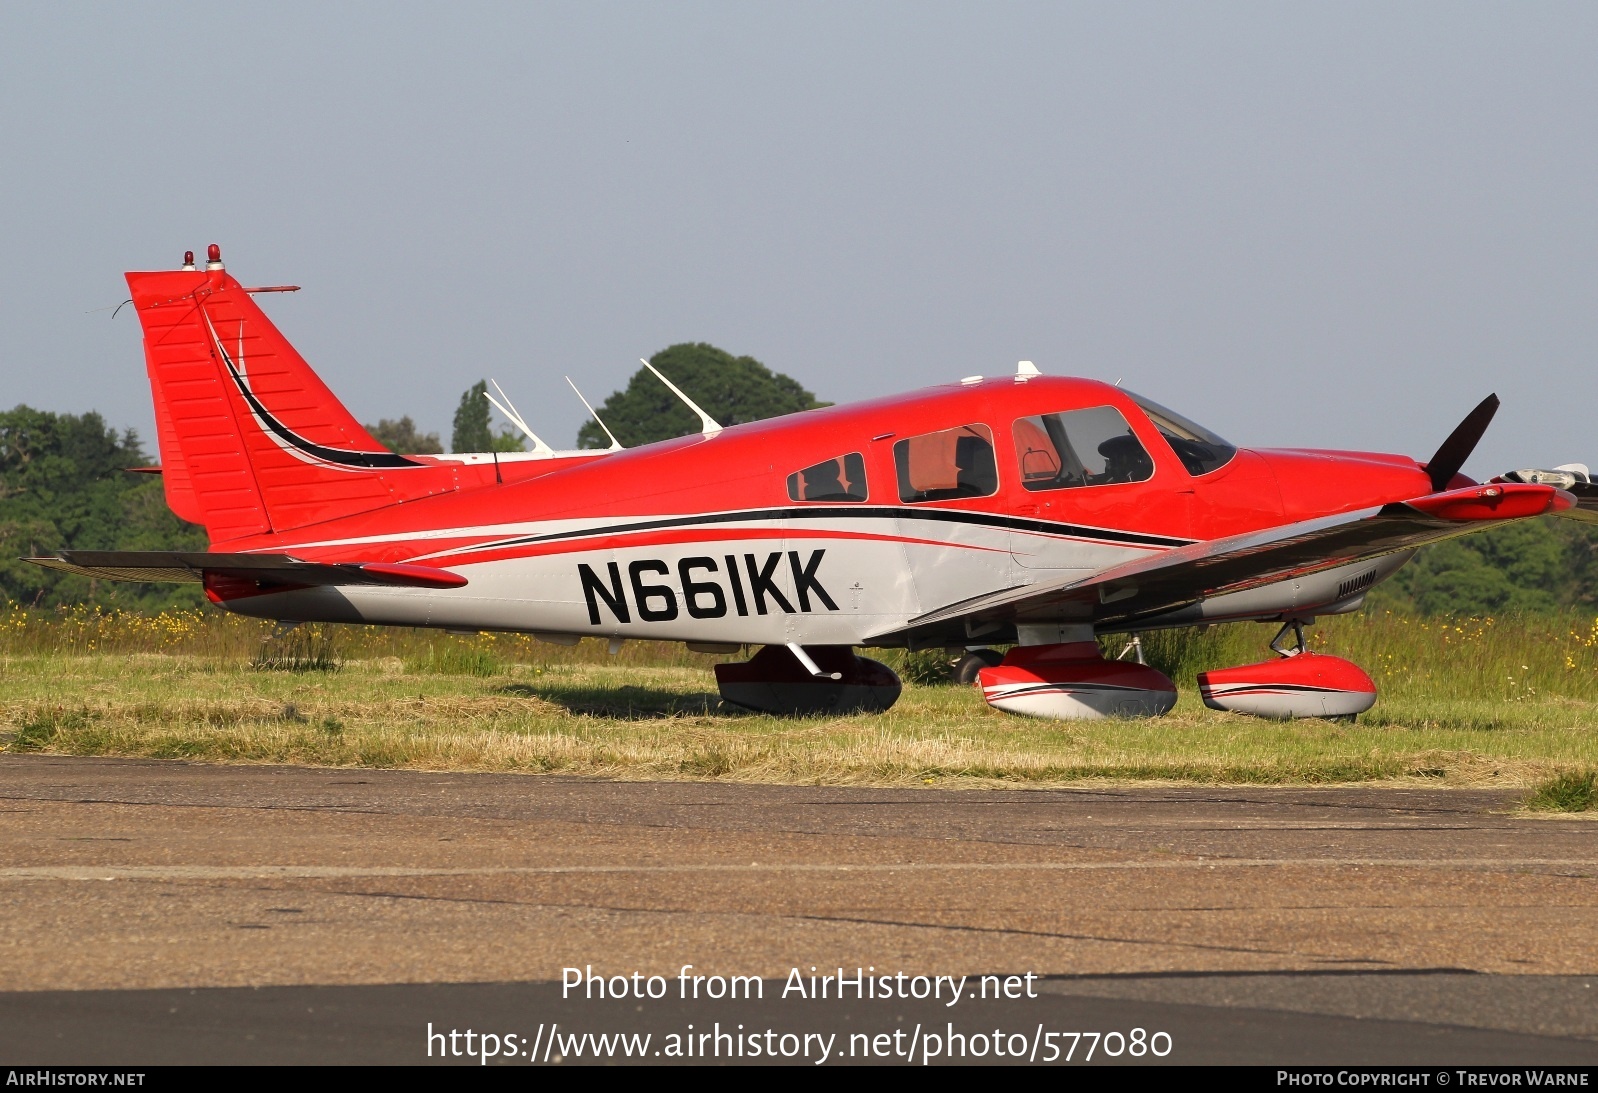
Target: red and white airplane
x=1027 y=510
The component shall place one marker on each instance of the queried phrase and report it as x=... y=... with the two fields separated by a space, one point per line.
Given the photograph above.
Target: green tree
x=64 y=484
x=402 y=438
x=508 y=440
x=1527 y=566
x=1581 y=561
x=731 y=389
x=471 y=433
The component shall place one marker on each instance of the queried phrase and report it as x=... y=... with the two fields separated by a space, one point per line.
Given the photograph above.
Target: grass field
x=1484 y=702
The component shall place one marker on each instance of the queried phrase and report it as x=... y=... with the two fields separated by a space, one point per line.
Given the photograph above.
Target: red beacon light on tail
x=188 y=260
x=213 y=257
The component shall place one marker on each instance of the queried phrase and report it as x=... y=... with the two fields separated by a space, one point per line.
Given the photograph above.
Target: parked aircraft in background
x=1028 y=510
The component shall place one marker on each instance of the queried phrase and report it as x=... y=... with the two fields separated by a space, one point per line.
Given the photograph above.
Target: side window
x=943 y=465
x=840 y=479
x=1079 y=448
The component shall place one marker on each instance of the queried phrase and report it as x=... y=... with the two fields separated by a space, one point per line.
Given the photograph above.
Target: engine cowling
x=773 y=681
x=1305 y=685
x=1073 y=681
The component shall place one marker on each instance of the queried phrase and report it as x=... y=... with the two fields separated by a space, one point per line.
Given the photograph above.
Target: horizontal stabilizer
x=193 y=567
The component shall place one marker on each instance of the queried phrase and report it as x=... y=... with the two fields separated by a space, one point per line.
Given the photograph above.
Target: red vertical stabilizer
x=252 y=441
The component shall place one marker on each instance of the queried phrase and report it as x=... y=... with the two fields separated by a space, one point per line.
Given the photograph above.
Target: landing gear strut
x=1299 y=646
x=808 y=681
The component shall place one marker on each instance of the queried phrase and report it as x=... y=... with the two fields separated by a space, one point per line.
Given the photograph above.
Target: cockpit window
x=1200 y=450
x=1079 y=448
x=840 y=479
x=948 y=464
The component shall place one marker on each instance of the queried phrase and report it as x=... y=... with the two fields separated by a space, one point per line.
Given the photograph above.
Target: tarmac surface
x=159 y=912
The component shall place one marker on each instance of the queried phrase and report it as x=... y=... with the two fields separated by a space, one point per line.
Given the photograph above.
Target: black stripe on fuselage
x=362 y=460
x=858 y=512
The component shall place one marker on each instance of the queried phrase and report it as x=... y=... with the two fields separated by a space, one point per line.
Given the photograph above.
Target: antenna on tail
x=539 y=447
x=615 y=445
x=708 y=424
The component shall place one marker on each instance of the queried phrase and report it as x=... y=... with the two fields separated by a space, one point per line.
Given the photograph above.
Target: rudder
x=252 y=441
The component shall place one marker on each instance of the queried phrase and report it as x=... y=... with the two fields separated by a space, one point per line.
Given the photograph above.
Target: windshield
x=1200 y=450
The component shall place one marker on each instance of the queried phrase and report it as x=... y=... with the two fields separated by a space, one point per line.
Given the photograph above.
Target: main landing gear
x=966 y=668
x=1297 y=684
x=808 y=680
x=1069 y=679
x=1063 y=677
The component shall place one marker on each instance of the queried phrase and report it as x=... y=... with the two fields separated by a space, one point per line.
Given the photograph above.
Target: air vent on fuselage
x=1356 y=584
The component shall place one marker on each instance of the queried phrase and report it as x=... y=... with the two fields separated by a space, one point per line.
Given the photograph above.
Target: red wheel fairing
x=1305 y=685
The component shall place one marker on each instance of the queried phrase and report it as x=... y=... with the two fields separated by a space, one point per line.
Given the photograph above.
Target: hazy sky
x=1334 y=225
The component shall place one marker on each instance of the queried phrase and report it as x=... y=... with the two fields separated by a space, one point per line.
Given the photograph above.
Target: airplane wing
x=267 y=570
x=1185 y=575
x=1586 y=507
x=1573 y=478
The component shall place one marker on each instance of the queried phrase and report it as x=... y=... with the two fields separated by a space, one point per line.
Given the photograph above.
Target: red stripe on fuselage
x=685 y=535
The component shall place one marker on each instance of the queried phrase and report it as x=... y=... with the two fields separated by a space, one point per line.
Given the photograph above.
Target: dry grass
x=1479 y=702
x=578 y=712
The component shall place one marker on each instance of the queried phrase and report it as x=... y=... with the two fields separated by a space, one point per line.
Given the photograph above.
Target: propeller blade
x=1460 y=443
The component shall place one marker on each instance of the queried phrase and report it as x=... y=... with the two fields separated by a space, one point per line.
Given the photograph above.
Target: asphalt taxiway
x=159 y=911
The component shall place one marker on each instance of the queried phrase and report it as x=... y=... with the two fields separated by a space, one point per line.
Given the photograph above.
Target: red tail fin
x=251 y=440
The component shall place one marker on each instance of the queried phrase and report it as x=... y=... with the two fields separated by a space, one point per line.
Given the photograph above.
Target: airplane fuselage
x=837 y=526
